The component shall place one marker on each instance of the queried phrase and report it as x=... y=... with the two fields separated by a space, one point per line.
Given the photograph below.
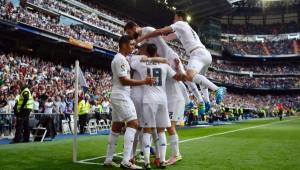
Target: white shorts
x=176 y=111
x=200 y=61
x=138 y=104
x=123 y=110
x=155 y=115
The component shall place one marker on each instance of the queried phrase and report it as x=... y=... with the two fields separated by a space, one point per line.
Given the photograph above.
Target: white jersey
x=187 y=36
x=136 y=91
x=157 y=92
x=120 y=68
x=163 y=50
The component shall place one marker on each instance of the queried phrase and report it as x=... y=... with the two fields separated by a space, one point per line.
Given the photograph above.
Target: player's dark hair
x=130 y=25
x=125 y=39
x=181 y=13
x=151 y=50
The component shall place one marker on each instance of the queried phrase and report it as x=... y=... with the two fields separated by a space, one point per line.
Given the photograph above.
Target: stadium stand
x=281 y=68
x=249 y=82
x=263 y=48
x=252 y=29
x=50 y=80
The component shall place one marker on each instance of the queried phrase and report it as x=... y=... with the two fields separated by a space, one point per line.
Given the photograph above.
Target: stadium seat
x=102 y=125
x=39 y=134
x=65 y=127
x=92 y=127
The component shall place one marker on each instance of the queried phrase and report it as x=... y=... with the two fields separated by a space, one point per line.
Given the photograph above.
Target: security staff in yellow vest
x=83 y=110
x=24 y=107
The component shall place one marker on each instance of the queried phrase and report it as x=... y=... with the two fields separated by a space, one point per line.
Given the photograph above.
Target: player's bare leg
x=193 y=76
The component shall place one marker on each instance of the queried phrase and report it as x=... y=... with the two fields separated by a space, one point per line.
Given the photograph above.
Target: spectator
x=105 y=106
x=36 y=105
x=3 y=101
x=49 y=106
x=24 y=107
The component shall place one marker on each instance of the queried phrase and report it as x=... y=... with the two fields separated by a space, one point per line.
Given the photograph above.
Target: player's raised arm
x=170 y=37
x=158 y=32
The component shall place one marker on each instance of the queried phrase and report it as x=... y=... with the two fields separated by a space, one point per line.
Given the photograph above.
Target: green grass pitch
x=256 y=144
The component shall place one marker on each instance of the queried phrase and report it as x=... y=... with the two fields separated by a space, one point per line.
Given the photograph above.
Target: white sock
x=146 y=147
x=174 y=145
x=135 y=143
x=162 y=146
x=141 y=141
x=193 y=87
x=205 y=93
x=156 y=142
x=128 y=143
x=203 y=81
x=111 y=147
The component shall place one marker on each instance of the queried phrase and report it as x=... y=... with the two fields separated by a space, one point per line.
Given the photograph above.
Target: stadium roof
x=148 y=10
x=204 y=8
x=252 y=7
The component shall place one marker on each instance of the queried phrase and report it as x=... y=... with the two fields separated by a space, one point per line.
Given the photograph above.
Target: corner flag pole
x=75 y=112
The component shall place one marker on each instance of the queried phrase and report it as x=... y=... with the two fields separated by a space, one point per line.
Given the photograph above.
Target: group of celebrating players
x=148 y=93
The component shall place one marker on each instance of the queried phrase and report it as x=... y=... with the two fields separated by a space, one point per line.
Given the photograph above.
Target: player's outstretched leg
x=203 y=81
x=205 y=94
x=220 y=93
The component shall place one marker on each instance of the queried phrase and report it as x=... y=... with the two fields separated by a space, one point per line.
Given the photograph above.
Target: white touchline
x=232 y=131
x=191 y=139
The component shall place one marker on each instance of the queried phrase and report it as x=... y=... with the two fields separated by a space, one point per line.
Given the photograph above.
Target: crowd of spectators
x=260 y=101
x=258 y=68
x=52 y=24
x=94 y=19
x=108 y=12
x=47 y=23
x=53 y=92
x=51 y=84
x=262 y=48
x=254 y=82
x=252 y=29
x=90 y=18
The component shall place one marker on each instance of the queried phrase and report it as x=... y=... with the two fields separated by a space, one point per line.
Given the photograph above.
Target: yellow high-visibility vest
x=88 y=106
x=29 y=104
x=82 y=109
x=100 y=108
